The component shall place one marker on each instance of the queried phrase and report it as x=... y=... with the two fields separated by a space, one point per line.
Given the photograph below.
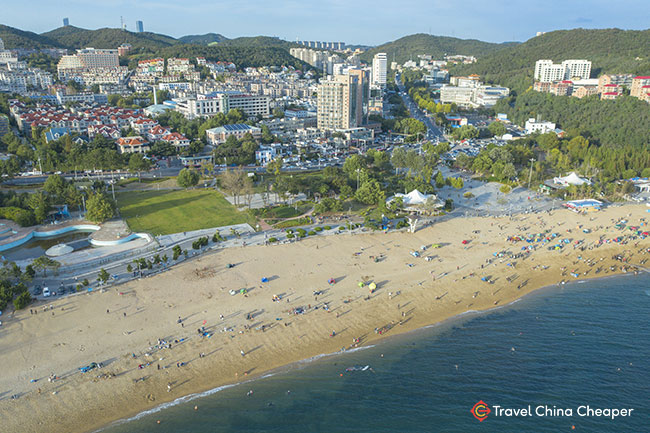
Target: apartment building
x=547 y=71
x=618 y=79
x=341 y=100
x=206 y=105
x=640 y=86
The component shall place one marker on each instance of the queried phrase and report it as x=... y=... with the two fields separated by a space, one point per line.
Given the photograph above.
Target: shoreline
x=303 y=339
x=383 y=340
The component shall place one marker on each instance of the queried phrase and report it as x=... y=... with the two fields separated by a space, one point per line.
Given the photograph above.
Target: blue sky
x=352 y=21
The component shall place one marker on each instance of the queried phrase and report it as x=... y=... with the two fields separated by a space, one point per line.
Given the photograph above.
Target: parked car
x=46 y=292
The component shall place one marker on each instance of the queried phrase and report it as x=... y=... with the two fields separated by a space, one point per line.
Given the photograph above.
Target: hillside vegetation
x=409 y=47
x=610 y=51
x=74 y=37
x=205 y=39
x=16 y=38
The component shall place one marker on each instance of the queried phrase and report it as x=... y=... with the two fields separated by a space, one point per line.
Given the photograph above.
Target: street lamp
x=530 y=175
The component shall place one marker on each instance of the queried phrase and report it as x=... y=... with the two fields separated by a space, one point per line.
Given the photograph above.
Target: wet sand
x=125 y=326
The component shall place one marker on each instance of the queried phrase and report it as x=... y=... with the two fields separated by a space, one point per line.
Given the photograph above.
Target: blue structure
x=56 y=133
x=139 y=26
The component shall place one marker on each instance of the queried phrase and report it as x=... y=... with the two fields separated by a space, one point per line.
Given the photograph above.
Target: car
x=46 y=292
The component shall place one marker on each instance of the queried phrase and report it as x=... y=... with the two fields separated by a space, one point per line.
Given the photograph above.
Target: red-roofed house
x=609 y=95
x=134 y=144
x=143 y=125
x=177 y=140
x=157 y=132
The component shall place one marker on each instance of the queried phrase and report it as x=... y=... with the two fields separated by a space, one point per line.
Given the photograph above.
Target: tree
x=370 y=193
x=497 y=129
x=187 y=178
x=44 y=263
x=55 y=185
x=103 y=276
x=99 y=208
x=466 y=132
x=23 y=300
x=278 y=113
x=40 y=204
x=138 y=163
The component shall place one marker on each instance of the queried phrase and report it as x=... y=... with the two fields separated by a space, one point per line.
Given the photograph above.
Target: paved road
x=433 y=132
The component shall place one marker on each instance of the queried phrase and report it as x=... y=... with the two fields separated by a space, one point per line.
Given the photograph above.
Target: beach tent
x=571 y=179
x=265 y=280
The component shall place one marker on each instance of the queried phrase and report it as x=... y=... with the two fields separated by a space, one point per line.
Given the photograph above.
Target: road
x=433 y=132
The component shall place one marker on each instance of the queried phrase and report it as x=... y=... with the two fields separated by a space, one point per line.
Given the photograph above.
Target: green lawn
x=165 y=212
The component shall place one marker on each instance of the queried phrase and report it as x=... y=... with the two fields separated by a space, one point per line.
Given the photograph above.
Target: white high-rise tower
x=379 y=67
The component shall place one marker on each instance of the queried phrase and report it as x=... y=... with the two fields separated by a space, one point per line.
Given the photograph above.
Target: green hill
x=409 y=47
x=242 y=56
x=16 y=38
x=206 y=39
x=610 y=51
x=74 y=37
x=258 y=41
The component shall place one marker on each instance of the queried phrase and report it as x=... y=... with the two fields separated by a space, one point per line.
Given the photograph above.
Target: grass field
x=165 y=212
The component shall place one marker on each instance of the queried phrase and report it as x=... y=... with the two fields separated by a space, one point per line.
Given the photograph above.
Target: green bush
x=290 y=236
x=312 y=233
x=327 y=228
x=20 y=216
x=302 y=232
x=341 y=228
x=318 y=229
x=273 y=240
x=402 y=224
x=505 y=189
x=290 y=231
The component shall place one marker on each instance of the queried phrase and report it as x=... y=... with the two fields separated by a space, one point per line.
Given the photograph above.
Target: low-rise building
x=216 y=136
x=535 y=126
x=135 y=144
x=640 y=86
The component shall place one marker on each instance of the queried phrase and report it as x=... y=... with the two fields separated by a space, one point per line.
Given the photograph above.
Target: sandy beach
x=183 y=331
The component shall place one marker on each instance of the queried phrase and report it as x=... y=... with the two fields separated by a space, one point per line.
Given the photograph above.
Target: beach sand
x=121 y=326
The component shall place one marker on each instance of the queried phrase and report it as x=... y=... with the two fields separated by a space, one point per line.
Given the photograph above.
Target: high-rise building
x=139 y=25
x=66 y=22
x=379 y=67
x=546 y=71
x=341 y=100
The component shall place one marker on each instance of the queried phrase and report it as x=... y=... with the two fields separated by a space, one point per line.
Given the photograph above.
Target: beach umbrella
x=360 y=283
x=265 y=280
x=372 y=286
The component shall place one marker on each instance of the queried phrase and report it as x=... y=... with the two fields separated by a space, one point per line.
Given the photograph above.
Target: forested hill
x=409 y=47
x=610 y=51
x=206 y=39
x=74 y=37
x=16 y=38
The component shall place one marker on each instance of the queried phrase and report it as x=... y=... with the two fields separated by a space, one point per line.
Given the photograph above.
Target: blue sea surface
x=585 y=343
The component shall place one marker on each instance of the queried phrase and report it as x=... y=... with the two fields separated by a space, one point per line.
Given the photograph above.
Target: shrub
x=302 y=232
x=22 y=217
x=318 y=229
x=290 y=231
x=311 y=233
x=505 y=189
x=290 y=236
x=402 y=224
x=327 y=228
x=468 y=195
x=85 y=282
x=273 y=240
x=341 y=228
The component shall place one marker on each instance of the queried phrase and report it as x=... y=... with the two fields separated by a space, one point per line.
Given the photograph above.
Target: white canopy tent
x=571 y=179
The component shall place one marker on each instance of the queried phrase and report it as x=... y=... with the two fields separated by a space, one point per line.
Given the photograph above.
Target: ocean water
x=586 y=343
